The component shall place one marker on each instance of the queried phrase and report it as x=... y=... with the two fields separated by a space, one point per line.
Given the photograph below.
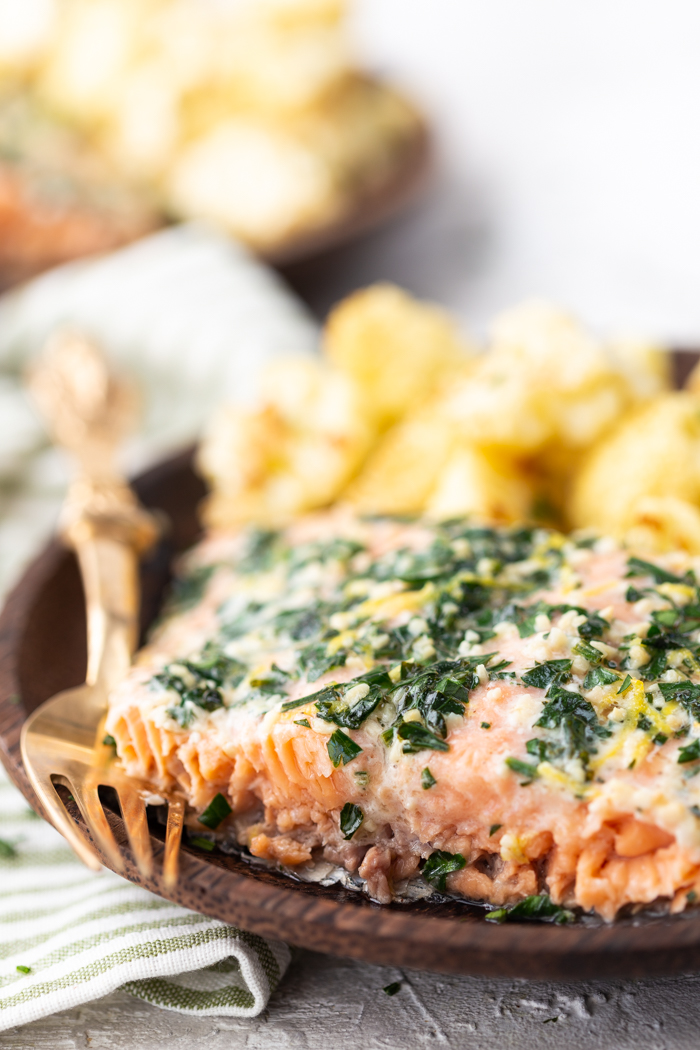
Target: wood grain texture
x=42 y=650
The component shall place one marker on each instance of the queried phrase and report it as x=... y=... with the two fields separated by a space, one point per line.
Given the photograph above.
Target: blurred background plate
x=119 y=117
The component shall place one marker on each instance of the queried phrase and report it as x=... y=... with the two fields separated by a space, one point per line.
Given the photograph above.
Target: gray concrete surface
x=326 y=1002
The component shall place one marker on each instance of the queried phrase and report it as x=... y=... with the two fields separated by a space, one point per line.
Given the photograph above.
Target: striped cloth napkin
x=68 y=936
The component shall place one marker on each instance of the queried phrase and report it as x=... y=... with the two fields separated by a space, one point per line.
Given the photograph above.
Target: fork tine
x=85 y=794
x=173 y=835
x=134 y=814
x=61 y=819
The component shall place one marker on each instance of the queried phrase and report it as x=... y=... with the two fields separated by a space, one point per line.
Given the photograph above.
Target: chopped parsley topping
x=494 y=828
x=417 y=738
x=189 y=589
x=301 y=701
x=202 y=843
x=439 y=691
x=541 y=676
x=485 y=725
x=332 y=705
x=599 y=676
x=302 y=722
x=351 y=816
x=659 y=639
x=667 y=617
x=427 y=779
x=315 y=660
x=497 y=672
x=525 y=769
x=594 y=626
x=108 y=740
x=395 y=986
x=538 y=906
x=272 y=682
x=184 y=713
x=576 y=718
x=214 y=667
x=439 y=865
x=341 y=748
x=685 y=693
x=543 y=750
x=638 y=567
x=217 y=810
x=655 y=668
x=690 y=753
x=260 y=555
x=589 y=652
x=633 y=595
x=198 y=683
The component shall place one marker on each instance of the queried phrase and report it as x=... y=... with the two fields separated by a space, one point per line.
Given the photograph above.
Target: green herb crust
x=471 y=588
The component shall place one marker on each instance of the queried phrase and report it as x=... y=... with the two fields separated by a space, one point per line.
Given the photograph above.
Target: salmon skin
x=495 y=713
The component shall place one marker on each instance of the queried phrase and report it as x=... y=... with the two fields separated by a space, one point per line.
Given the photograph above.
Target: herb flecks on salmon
x=324 y=691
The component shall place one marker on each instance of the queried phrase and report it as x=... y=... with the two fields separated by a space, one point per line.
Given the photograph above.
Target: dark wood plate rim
x=45 y=610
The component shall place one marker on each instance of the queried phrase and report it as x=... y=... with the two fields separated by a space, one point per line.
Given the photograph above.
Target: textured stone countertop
x=328 y=1002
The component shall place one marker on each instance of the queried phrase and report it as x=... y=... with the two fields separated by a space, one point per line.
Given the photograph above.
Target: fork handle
x=109 y=570
x=108 y=530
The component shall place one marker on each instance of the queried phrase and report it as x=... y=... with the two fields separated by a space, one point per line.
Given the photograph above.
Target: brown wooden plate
x=42 y=650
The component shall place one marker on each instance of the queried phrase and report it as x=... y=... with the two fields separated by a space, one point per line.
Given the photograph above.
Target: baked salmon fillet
x=496 y=714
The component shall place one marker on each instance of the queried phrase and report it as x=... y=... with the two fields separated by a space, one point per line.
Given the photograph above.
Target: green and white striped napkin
x=68 y=936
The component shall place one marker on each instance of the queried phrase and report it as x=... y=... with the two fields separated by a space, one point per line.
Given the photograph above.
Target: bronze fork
x=88 y=412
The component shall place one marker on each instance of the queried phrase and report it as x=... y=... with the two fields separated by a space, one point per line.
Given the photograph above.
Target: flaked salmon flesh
x=507 y=712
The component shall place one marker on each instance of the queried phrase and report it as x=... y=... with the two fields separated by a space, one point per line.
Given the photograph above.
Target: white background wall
x=570 y=141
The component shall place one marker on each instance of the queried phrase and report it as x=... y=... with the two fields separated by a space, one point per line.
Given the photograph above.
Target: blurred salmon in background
x=119 y=115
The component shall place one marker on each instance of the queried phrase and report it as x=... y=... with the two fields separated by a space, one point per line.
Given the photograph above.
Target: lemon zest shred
x=590 y=592
x=557 y=778
x=391 y=605
x=634 y=704
x=344 y=640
